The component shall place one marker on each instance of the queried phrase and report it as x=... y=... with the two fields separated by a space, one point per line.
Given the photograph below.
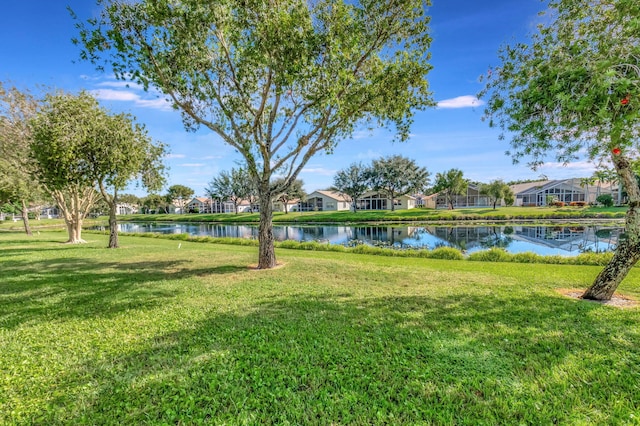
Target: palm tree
x=584 y=183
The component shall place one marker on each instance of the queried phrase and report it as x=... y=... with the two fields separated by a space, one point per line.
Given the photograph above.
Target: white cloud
x=120 y=85
x=128 y=96
x=170 y=156
x=574 y=168
x=466 y=101
x=192 y=165
x=319 y=171
x=369 y=155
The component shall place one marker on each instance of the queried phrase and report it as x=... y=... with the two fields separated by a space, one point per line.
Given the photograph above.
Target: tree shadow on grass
x=392 y=360
x=78 y=287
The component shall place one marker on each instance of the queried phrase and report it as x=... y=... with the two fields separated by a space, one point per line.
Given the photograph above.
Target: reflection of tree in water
x=496 y=238
x=604 y=240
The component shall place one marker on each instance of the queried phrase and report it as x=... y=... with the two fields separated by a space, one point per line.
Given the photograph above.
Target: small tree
x=497 y=190
x=17 y=183
x=155 y=202
x=605 y=199
x=295 y=191
x=179 y=194
x=573 y=89
x=353 y=182
x=450 y=184
x=396 y=175
x=233 y=186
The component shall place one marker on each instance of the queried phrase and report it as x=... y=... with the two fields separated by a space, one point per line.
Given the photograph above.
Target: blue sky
x=36 y=49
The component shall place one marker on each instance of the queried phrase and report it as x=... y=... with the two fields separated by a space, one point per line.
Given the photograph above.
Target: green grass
x=153 y=334
x=412 y=215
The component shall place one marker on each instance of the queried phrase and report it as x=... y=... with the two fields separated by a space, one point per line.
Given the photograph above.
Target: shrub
x=605 y=199
x=558 y=204
x=491 y=255
x=448 y=253
x=578 y=203
x=527 y=257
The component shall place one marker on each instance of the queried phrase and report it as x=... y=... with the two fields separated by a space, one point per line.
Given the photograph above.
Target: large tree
x=279 y=81
x=63 y=132
x=79 y=147
x=18 y=186
x=574 y=90
x=396 y=175
x=353 y=182
x=450 y=184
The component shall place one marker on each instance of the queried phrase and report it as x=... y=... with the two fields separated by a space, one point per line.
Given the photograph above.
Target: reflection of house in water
x=466 y=238
x=568 y=238
x=385 y=234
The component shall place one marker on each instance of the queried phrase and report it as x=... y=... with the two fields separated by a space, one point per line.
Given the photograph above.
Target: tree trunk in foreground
x=25 y=218
x=113 y=226
x=628 y=251
x=74 y=229
x=267 y=253
x=74 y=204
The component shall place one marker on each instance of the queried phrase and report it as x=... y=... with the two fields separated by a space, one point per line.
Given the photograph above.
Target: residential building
x=472 y=198
x=324 y=201
x=566 y=191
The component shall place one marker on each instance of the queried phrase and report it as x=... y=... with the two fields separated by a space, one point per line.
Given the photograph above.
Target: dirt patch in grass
x=254 y=267
x=618 y=300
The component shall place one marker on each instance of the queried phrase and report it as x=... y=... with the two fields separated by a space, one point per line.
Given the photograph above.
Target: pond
x=543 y=240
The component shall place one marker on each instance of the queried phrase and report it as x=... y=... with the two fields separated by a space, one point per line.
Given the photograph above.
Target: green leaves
x=562 y=92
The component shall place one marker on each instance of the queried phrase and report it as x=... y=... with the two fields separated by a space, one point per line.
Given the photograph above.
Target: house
x=324 y=201
x=50 y=212
x=126 y=208
x=291 y=205
x=208 y=205
x=472 y=198
x=376 y=201
x=567 y=191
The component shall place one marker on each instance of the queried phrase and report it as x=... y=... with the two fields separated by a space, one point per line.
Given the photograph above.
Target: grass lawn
x=153 y=334
x=414 y=215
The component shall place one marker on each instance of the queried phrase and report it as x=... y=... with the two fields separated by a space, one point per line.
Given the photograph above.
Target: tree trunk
x=628 y=251
x=74 y=228
x=267 y=254
x=113 y=225
x=25 y=218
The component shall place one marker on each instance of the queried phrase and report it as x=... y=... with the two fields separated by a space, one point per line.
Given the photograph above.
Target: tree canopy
x=18 y=186
x=179 y=194
x=279 y=81
x=497 y=190
x=79 y=148
x=230 y=186
x=353 y=182
x=574 y=91
x=396 y=175
x=450 y=184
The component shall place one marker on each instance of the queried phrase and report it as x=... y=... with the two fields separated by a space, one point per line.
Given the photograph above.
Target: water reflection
x=544 y=240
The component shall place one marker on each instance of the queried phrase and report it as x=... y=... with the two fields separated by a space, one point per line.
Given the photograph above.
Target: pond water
x=543 y=240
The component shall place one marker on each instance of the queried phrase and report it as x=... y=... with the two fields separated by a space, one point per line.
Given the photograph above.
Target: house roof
x=200 y=199
x=331 y=194
x=528 y=186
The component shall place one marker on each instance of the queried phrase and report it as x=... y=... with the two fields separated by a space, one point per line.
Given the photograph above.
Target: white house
x=567 y=191
x=324 y=201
